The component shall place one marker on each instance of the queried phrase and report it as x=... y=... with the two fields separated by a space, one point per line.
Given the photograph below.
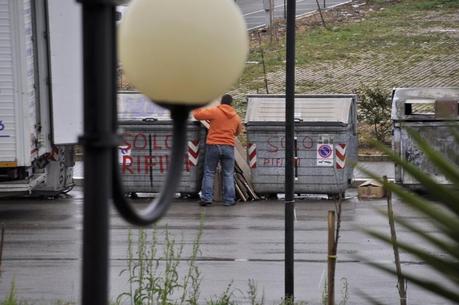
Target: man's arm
x=203 y=114
x=240 y=128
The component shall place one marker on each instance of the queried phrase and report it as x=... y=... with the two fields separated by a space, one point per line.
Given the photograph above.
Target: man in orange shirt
x=225 y=125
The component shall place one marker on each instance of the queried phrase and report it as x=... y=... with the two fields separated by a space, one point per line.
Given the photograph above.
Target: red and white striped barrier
x=252 y=152
x=340 y=156
x=193 y=152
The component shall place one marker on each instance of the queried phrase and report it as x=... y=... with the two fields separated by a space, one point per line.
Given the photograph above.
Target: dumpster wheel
x=336 y=196
x=269 y=196
x=193 y=196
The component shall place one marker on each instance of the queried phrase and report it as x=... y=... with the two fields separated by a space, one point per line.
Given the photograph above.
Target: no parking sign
x=324 y=154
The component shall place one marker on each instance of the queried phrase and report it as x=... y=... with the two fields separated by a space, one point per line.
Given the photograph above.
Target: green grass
x=436 y=4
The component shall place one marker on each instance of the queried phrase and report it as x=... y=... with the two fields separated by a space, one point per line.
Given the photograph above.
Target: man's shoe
x=229 y=204
x=204 y=203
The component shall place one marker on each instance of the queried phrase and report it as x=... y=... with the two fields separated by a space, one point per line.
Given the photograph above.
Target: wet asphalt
x=42 y=249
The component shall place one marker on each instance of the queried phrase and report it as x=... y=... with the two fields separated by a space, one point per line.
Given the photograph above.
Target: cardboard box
x=371 y=189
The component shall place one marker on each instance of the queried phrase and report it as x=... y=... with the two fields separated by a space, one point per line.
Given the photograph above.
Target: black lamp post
x=289 y=148
x=98 y=141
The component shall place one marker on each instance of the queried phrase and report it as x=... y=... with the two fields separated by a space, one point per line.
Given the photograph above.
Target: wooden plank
x=239 y=193
x=247 y=186
x=251 y=191
x=240 y=184
x=240 y=155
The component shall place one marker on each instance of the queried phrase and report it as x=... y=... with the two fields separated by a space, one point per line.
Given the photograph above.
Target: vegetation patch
x=407 y=43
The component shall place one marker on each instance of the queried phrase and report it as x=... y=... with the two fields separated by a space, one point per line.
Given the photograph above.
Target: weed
x=289 y=301
x=11 y=298
x=325 y=293
x=344 y=292
x=226 y=298
x=154 y=279
x=252 y=294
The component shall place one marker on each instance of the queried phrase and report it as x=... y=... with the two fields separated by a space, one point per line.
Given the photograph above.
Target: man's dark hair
x=227 y=99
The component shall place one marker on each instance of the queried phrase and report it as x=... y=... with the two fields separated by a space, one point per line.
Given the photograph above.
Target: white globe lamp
x=182 y=52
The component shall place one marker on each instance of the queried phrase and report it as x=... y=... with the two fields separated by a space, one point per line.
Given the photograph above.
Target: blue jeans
x=225 y=155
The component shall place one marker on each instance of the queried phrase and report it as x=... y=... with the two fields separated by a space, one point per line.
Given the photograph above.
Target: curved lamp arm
x=156 y=209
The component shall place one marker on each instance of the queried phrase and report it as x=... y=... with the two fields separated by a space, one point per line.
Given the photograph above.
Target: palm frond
x=368 y=297
x=446 y=267
x=440 y=219
x=455 y=132
x=442 y=245
x=444 y=220
x=431 y=286
x=442 y=193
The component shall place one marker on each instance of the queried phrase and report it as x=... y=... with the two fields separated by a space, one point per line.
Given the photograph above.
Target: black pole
x=289 y=147
x=285 y=9
x=97 y=141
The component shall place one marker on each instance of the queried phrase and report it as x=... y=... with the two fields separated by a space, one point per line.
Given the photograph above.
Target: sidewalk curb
x=373 y=158
x=78 y=181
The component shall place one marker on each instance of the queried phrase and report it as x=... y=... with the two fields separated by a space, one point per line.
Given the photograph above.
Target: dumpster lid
x=425 y=104
x=134 y=106
x=308 y=108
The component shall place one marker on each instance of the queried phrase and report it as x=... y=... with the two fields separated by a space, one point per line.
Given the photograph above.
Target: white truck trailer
x=40 y=95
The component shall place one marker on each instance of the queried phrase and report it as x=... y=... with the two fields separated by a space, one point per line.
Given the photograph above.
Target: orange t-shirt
x=225 y=123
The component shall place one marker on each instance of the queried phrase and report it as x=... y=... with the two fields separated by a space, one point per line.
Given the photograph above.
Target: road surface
x=255 y=15
x=42 y=250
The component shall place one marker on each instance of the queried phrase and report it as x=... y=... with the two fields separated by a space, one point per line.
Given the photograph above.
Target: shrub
x=374 y=110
